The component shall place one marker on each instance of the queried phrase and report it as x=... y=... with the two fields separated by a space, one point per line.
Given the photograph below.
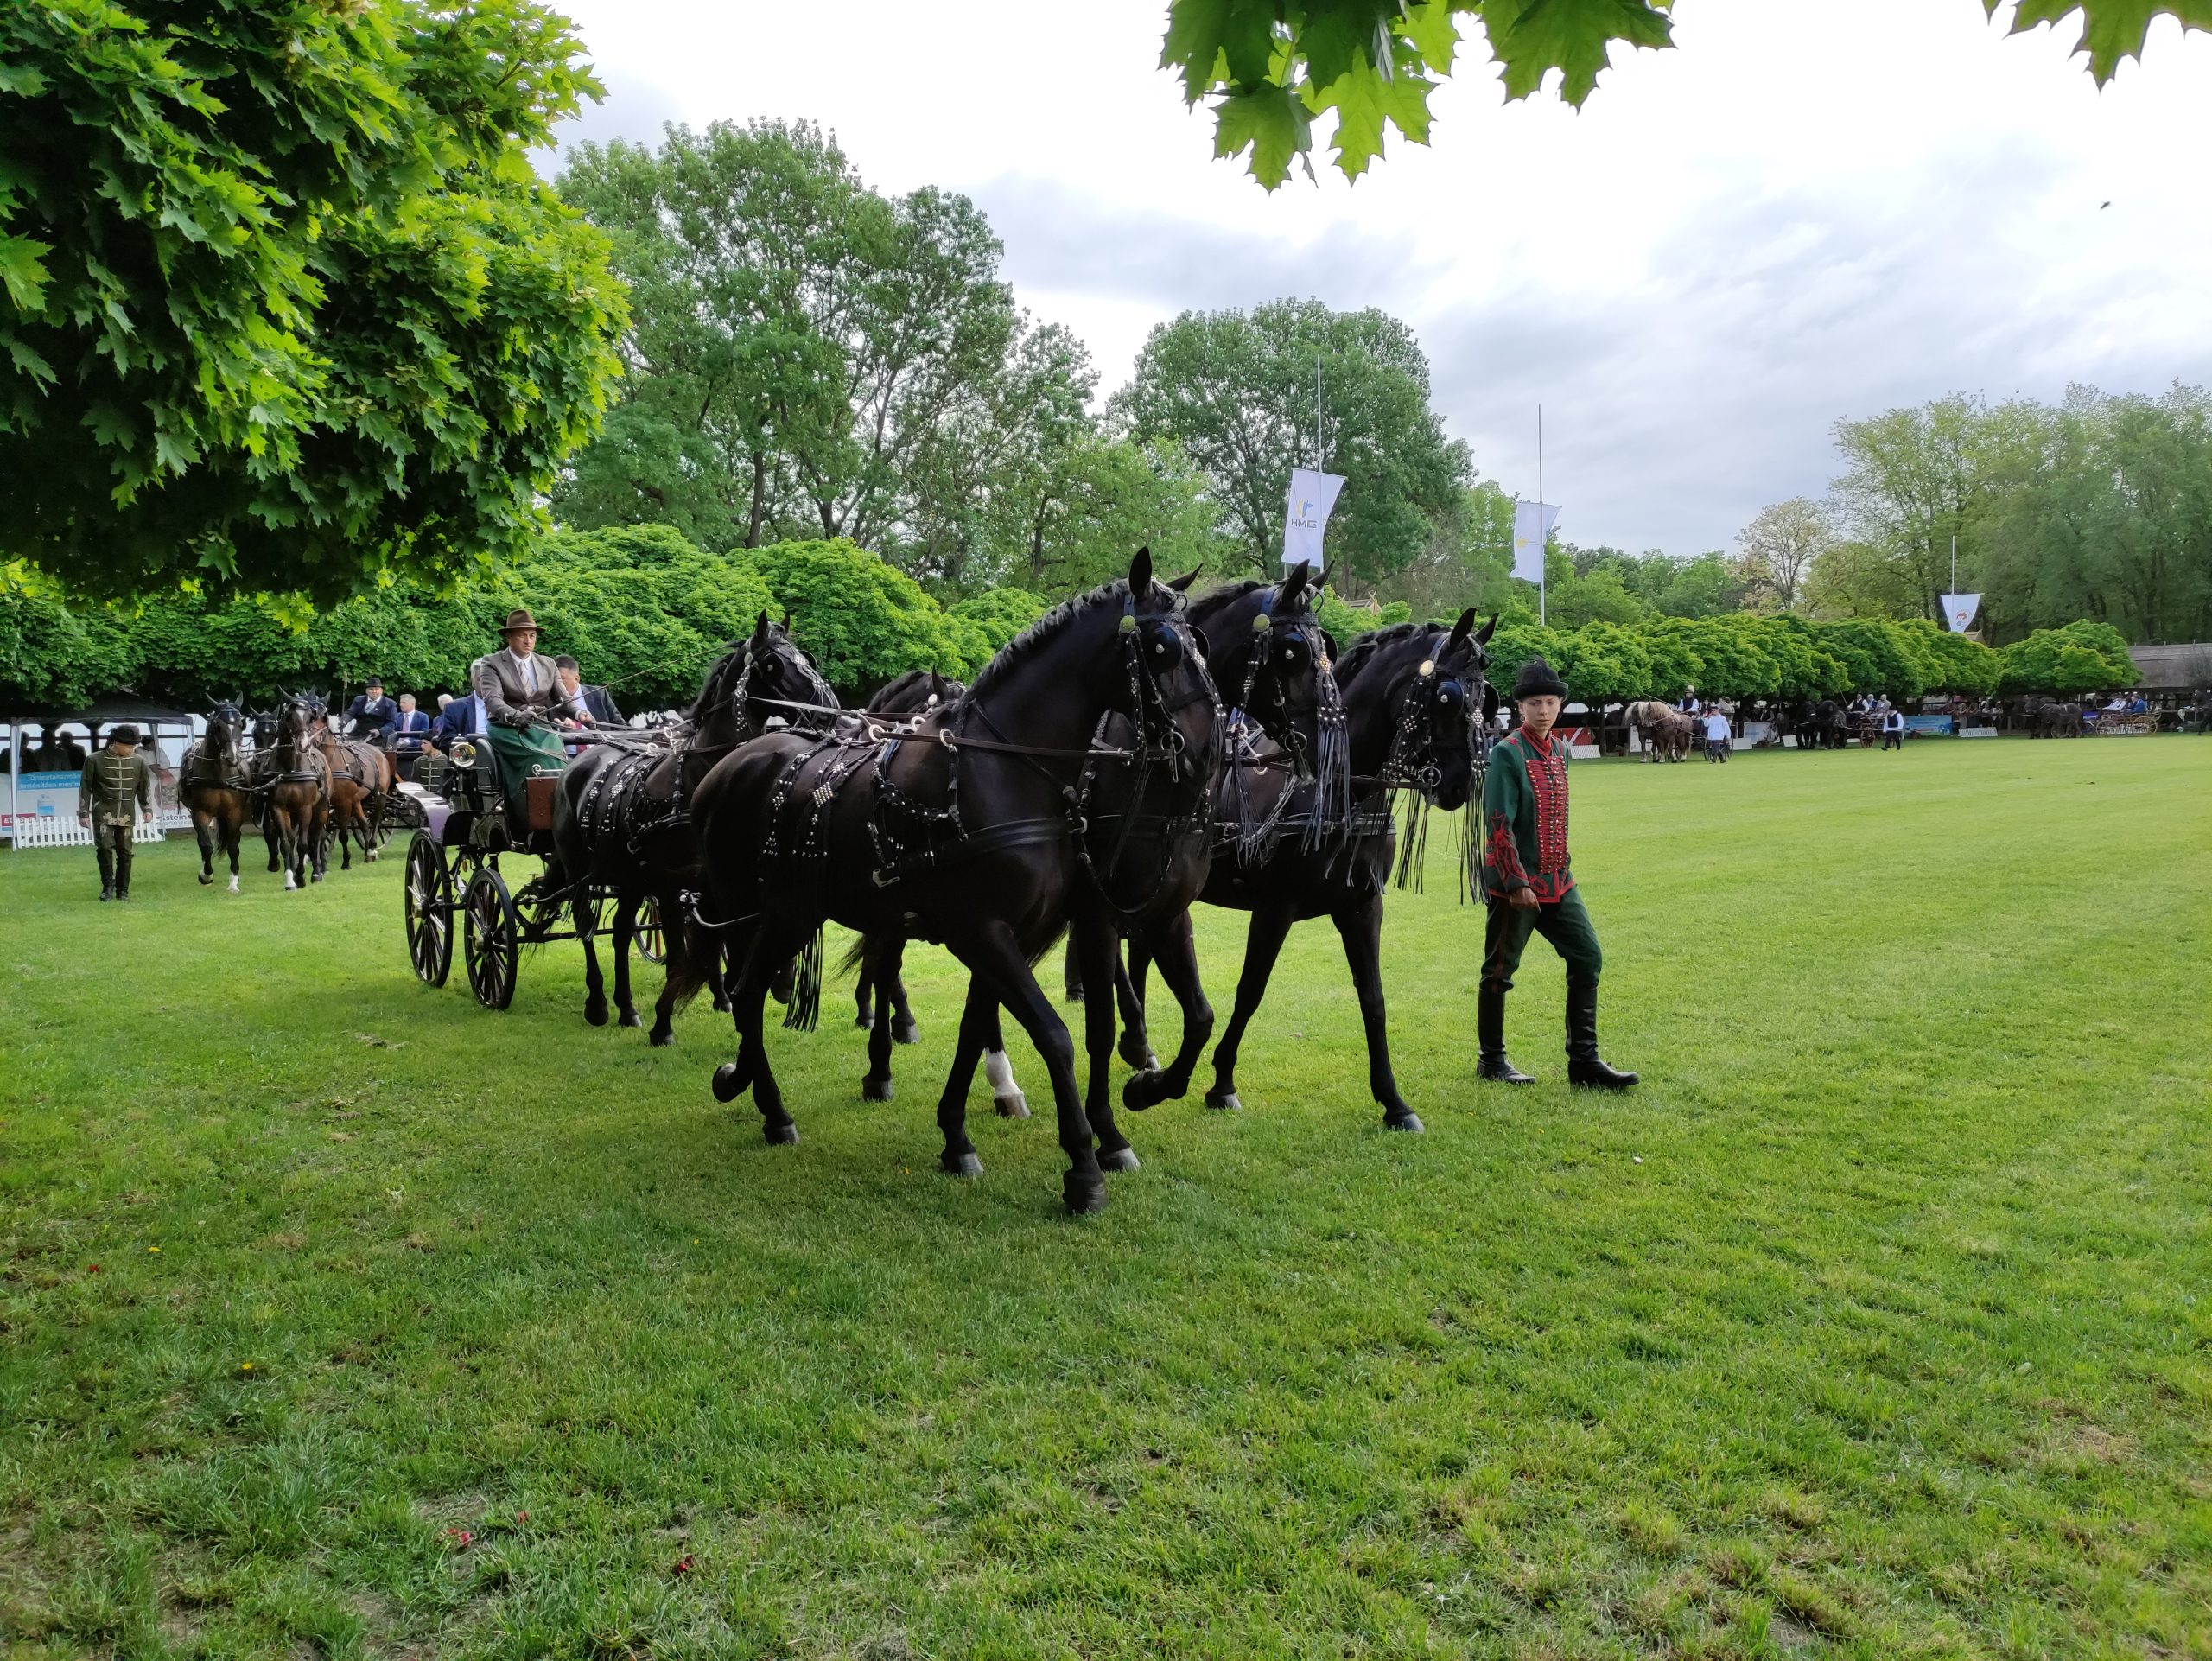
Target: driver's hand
x=1523 y=899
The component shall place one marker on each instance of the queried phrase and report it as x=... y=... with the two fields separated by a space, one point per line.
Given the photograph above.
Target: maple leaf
x=2111 y=29
x=1273 y=121
x=1571 y=36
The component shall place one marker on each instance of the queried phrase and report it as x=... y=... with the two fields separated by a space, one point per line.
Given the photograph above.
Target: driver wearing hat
x=520 y=690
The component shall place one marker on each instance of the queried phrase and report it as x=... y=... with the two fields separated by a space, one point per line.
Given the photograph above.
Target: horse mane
x=1367 y=647
x=1024 y=646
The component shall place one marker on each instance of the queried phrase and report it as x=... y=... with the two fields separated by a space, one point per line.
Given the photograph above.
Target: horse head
x=1271 y=658
x=1160 y=680
x=225 y=739
x=1415 y=693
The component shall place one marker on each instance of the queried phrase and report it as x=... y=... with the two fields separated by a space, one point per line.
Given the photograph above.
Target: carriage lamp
x=464 y=753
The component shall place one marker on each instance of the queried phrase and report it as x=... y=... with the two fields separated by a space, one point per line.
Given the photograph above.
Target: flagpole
x=1542 y=621
x=1317 y=412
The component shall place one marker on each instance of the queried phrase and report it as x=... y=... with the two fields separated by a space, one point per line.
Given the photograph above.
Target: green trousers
x=1566 y=925
x=521 y=753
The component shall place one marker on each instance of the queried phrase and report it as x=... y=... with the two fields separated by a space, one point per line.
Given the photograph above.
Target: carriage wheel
x=541 y=913
x=650 y=938
x=490 y=935
x=426 y=897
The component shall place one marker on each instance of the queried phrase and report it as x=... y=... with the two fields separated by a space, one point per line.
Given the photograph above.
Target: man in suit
x=598 y=705
x=410 y=735
x=520 y=688
x=371 y=713
x=457 y=718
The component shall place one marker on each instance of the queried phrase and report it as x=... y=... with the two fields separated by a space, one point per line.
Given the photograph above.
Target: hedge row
x=646 y=612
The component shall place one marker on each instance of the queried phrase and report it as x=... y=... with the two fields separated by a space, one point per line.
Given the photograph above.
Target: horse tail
x=692 y=952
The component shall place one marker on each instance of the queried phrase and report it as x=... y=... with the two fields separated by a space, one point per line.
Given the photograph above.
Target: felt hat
x=519 y=619
x=376 y=681
x=126 y=733
x=1538 y=680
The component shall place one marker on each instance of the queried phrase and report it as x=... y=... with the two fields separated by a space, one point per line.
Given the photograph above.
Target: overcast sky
x=1734 y=242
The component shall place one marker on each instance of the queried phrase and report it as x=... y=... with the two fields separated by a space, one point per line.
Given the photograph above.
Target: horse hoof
x=729 y=1084
x=1082 y=1194
x=1119 y=1159
x=865 y=1023
x=959 y=1164
x=206 y=877
x=1409 y=1122
x=631 y=1018
x=595 y=1012
x=1138 y=1055
x=781 y=1135
x=874 y=1089
x=1014 y=1106
x=660 y=1038
x=234 y=884
x=1224 y=1100
x=288 y=884
x=1142 y=1090
x=722 y=1006
x=906 y=1031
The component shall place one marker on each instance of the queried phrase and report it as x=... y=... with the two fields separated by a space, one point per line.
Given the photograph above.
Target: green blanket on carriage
x=521 y=753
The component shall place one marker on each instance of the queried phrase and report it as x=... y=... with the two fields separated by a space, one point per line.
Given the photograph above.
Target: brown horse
x=1666 y=732
x=295 y=815
x=211 y=785
x=362 y=778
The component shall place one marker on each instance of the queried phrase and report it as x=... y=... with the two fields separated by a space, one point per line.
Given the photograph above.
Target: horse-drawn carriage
x=452 y=876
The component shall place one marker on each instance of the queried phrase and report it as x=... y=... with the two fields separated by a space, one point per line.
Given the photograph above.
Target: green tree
x=808 y=356
x=1776 y=551
x=864 y=620
x=284 y=306
x=1073 y=522
x=1272 y=67
x=2082 y=656
x=1468 y=562
x=50 y=659
x=1235 y=390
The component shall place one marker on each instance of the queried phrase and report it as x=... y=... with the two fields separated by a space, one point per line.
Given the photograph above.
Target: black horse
x=877 y=985
x=1148 y=842
x=961 y=832
x=1416 y=713
x=621 y=817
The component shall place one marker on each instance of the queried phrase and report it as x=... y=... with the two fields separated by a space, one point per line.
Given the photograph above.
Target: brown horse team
x=302 y=786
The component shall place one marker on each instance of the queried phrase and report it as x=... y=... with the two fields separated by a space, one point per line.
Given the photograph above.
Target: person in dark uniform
x=1529 y=885
x=372 y=713
x=116 y=788
x=597 y=702
x=457 y=718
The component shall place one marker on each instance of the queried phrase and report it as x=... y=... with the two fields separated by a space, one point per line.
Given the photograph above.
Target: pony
x=960 y=831
x=621 y=816
x=211 y=782
x=1413 y=724
x=1666 y=732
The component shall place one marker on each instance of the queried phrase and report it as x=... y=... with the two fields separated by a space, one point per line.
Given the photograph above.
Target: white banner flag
x=1306 y=515
x=1532 y=529
x=1959 y=610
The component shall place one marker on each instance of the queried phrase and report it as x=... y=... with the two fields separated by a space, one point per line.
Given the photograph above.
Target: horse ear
x=1181 y=584
x=787 y=622
x=1300 y=574
x=760 y=628
x=1464 y=628
x=1483 y=634
x=1140 y=572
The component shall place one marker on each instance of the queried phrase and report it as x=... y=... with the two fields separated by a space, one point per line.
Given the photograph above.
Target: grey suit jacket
x=498 y=680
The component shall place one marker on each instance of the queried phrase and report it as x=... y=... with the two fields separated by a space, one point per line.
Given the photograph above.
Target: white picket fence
x=62 y=830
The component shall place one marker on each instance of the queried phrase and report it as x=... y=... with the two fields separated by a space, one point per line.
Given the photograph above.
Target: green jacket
x=114 y=787
x=1524 y=818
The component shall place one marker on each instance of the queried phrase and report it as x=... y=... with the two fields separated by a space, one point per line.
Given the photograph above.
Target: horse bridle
x=1412 y=762
x=1276 y=633
x=230 y=720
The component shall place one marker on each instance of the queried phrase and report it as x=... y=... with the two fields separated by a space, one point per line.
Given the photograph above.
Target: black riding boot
x=123 y=854
x=105 y=854
x=1490 y=1029
x=1583 y=1066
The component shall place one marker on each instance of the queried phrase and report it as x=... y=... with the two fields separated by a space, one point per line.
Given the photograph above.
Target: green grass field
x=344 y=1318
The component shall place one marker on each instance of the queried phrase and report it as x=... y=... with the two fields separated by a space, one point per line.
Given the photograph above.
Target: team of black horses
x=1136 y=751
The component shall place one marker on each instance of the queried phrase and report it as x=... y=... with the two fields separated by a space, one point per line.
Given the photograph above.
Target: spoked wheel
x=541 y=912
x=491 y=937
x=650 y=938
x=426 y=897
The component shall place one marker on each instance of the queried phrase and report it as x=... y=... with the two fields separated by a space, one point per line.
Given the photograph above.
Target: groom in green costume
x=520 y=690
x=1529 y=885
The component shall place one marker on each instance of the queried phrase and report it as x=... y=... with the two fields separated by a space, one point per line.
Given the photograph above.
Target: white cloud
x=1780 y=222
